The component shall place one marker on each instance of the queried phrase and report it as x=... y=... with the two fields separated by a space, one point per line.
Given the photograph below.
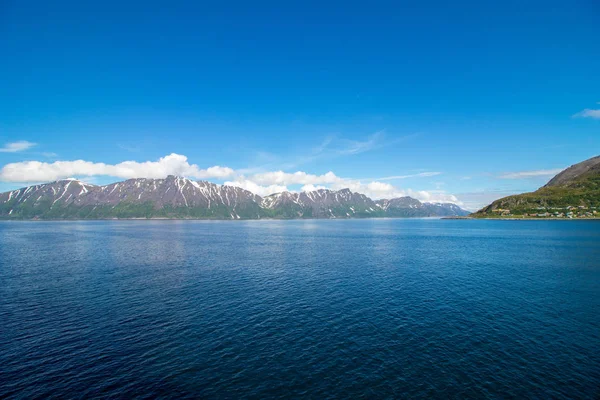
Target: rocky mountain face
x=322 y=203
x=177 y=197
x=576 y=188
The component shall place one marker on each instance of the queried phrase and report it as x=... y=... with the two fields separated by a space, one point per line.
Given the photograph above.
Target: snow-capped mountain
x=322 y=203
x=177 y=197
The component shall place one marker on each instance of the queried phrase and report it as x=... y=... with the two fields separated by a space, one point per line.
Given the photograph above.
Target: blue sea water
x=317 y=309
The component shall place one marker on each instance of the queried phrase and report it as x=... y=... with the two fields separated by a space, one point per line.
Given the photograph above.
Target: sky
x=464 y=102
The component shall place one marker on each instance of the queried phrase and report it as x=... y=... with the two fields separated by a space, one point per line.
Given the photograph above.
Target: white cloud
x=173 y=164
x=419 y=175
x=14 y=147
x=588 y=113
x=531 y=174
x=311 y=188
x=295 y=178
x=256 y=188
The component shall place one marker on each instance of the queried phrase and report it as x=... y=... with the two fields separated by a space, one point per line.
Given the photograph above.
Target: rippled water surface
x=320 y=309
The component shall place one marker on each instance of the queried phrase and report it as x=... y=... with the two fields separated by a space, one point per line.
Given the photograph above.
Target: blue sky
x=456 y=102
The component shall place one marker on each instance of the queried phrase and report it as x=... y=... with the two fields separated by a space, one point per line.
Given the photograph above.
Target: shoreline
x=291 y=219
x=532 y=219
x=205 y=219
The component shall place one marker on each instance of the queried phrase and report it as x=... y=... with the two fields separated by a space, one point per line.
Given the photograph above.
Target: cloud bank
x=274 y=182
x=173 y=164
x=263 y=183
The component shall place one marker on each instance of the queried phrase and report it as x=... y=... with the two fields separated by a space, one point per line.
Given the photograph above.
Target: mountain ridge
x=179 y=197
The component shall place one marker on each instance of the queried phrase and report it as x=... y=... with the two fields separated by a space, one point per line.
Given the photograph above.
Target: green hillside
x=574 y=193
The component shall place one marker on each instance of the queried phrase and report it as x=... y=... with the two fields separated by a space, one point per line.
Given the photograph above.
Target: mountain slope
x=577 y=187
x=577 y=172
x=176 y=197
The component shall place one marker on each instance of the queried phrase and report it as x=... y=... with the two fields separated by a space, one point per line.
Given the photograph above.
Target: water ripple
x=317 y=309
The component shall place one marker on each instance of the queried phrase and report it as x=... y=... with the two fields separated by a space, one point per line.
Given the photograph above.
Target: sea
x=321 y=309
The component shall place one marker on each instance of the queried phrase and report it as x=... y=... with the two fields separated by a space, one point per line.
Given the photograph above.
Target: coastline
x=207 y=219
x=288 y=219
x=531 y=219
x=211 y=219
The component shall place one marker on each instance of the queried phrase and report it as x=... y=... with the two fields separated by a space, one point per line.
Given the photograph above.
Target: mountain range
x=178 y=197
x=573 y=193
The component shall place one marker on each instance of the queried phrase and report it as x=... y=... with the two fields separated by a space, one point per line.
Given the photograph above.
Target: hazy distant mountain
x=409 y=207
x=576 y=188
x=176 y=197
